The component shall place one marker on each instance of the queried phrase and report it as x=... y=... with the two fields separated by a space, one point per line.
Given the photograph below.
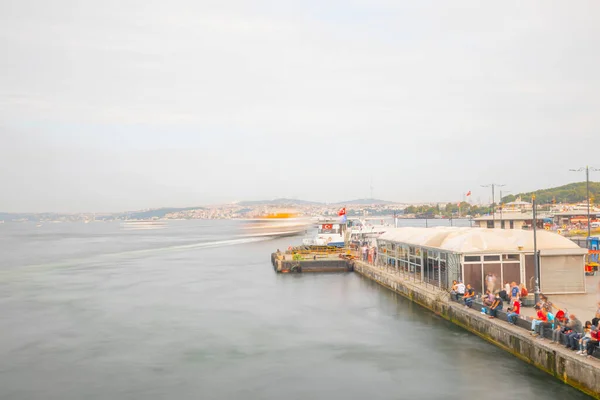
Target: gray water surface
x=91 y=311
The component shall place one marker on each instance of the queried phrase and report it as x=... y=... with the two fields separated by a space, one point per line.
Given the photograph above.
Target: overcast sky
x=114 y=105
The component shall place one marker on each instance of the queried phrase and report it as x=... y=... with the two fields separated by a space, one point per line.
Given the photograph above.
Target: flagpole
x=465 y=196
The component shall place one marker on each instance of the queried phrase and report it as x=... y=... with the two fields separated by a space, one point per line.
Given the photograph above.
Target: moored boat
x=329 y=233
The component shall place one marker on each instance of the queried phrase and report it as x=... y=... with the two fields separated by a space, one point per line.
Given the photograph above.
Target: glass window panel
x=491 y=258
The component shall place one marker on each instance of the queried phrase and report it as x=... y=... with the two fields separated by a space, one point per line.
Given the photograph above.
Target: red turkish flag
x=327 y=227
x=342 y=211
x=469 y=193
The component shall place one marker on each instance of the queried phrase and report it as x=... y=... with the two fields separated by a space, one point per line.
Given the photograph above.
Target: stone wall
x=562 y=364
x=286 y=264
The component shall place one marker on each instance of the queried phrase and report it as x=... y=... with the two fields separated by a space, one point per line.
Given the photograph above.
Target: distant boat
x=38 y=225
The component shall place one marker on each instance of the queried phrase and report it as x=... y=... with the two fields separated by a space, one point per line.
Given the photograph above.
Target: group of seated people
x=582 y=338
x=495 y=302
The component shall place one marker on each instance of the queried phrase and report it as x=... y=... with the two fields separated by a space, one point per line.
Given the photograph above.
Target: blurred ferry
x=279 y=223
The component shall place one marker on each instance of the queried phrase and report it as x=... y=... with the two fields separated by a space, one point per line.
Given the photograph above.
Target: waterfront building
x=509 y=220
x=442 y=254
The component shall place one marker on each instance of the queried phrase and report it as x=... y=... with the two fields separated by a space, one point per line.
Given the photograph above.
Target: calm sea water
x=193 y=312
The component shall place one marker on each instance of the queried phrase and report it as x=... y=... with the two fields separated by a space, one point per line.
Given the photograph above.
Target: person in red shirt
x=541 y=318
x=514 y=312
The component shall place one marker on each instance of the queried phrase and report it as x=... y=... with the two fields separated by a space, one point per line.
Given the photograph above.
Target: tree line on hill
x=571 y=193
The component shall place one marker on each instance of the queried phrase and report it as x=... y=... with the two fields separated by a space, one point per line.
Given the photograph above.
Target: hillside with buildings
x=238 y=210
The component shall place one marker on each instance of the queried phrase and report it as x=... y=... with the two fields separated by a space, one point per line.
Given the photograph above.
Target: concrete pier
x=579 y=372
x=310 y=263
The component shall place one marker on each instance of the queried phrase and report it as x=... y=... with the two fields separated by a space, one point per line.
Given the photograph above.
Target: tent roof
x=482 y=240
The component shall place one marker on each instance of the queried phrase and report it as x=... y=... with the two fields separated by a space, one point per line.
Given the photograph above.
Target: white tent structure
x=440 y=255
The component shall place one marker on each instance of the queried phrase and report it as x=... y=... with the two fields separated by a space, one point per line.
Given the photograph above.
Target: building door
x=473 y=276
x=512 y=272
x=529 y=272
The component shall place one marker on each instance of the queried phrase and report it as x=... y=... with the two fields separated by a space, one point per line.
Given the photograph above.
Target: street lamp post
x=587 y=191
x=536 y=261
x=493 y=186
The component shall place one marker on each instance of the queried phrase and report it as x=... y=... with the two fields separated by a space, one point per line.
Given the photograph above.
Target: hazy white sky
x=113 y=105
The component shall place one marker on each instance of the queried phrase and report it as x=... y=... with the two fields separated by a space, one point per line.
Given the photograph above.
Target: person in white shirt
x=459 y=291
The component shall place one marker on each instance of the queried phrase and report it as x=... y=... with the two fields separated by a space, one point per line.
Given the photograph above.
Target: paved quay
x=576 y=371
x=582 y=305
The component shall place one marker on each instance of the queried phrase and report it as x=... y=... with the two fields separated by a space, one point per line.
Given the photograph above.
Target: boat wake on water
x=218 y=243
x=95 y=258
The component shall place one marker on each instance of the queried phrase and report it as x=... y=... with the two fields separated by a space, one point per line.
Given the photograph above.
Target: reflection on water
x=164 y=318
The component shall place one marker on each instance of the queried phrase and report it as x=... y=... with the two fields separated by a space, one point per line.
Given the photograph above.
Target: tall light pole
x=493 y=186
x=587 y=190
x=536 y=260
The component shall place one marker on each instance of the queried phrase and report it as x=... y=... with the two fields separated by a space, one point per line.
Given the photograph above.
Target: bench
x=528 y=301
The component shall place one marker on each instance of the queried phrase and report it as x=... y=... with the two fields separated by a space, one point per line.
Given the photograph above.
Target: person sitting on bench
x=560 y=326
x=458 y=291
x=587 y=335
x=540 y=318
x=504 y=295
x=497 y=305
x=514 y=311
x=488 y=298
x=469 y=296
x=592 y=344
x=549 y=324
x=576 y=328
